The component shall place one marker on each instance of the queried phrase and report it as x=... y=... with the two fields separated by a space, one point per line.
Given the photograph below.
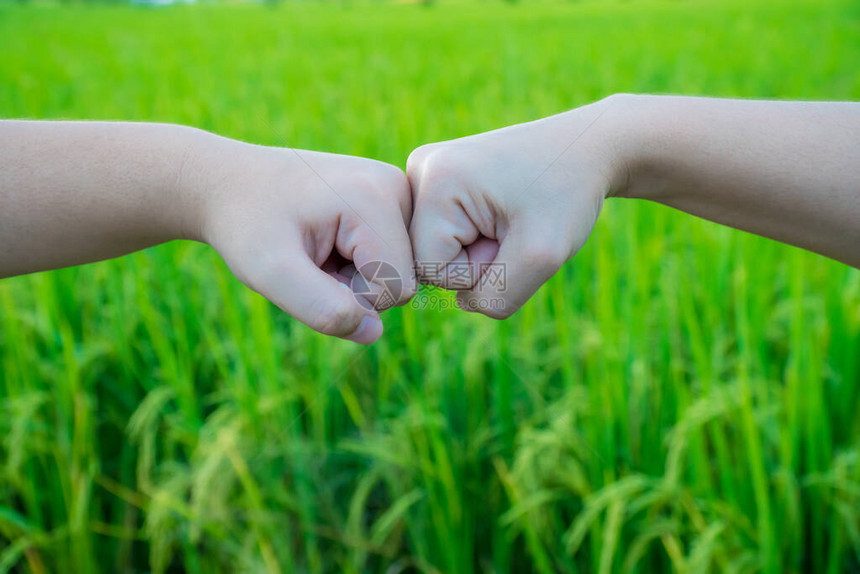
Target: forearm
x=785 y=170
x=76 y=192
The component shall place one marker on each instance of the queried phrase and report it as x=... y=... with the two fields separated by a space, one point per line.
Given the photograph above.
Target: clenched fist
x=296 y=226
x=495 y=215
x=523 y=198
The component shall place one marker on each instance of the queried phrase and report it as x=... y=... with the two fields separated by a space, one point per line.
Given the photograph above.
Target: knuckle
x=396 y=189
x=415 y=161
x=392 y=177
x=439 y=167
x=387 y=184
x=443 y=167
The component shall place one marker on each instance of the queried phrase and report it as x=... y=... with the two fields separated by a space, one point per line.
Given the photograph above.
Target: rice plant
x=680 y=398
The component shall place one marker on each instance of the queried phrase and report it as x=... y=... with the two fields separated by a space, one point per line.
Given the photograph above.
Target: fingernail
x=369 y=331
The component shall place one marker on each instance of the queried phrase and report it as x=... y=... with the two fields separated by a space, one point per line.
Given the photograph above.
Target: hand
x=526 y=197
x=294 y=225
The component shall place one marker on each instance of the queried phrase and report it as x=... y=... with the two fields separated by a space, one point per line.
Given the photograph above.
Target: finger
x=481 y=255
x=378 y=243
x=365 y=292
x=440 y=229
x=526 y=259
x=466 y=268
x=320 y=301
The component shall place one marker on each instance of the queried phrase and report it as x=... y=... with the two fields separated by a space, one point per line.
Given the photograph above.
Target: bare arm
x=75 y=192
x=527 y=196
x=291 y=224
x=786 y=170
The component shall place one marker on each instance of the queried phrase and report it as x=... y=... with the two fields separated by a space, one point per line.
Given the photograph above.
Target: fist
x=301 y=228
x=497 y=214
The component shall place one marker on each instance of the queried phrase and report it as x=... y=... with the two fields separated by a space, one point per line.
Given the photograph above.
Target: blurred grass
x=681 y=397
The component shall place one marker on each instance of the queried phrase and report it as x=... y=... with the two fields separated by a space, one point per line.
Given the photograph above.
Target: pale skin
x=293 y=225
x=528 y=195
x=288 y=223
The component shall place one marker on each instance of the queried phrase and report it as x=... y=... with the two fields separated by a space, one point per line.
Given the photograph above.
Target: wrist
x=188 y=192
x=606 y=143
x=201 y=170
x=622 y=143
x=638 y=142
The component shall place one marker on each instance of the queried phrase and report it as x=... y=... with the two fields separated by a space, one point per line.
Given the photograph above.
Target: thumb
x=321 y=302
x=528 y=256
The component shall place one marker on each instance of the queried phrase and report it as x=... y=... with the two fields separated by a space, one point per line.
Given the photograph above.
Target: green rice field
x=681 y=397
